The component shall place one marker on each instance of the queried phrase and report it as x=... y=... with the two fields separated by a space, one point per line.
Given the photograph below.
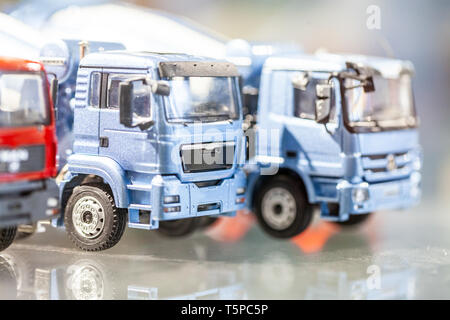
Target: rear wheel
x=178 y=228
x=282 y=208
x=354 y=220
x=7 y=236
x=92 y=220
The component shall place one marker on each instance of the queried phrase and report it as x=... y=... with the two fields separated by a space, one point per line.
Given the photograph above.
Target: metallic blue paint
x=139 y=165
x=330 y=160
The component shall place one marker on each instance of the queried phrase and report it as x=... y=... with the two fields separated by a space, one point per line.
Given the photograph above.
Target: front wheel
x=92 y=220
x=178 y=228
x=282 y=208
x=7 y=236
x=206 y=222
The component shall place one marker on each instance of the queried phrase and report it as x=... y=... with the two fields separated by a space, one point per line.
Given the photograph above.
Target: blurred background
x=413 y=245
x=414 y=30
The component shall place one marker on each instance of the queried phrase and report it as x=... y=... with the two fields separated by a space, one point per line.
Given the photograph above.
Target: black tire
x=354 y=220
x=205 y=222
x=291 y=189
x=112 y=219
x=178 y=228
x=7 y=236
x=8 y=281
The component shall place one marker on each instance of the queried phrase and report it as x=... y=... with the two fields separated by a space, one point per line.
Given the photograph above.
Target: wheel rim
x=87 y=283
x=88 y=217
x=279 y=208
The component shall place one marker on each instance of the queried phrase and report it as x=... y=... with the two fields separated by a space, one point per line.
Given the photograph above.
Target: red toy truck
x=28 y=192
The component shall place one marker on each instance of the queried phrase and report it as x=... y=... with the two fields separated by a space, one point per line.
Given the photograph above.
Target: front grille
x=383 y=156
x=386 y=166
x=22 y=159
x=202 y=157
x=12 y=218
x=208 y=207
x=204 y=184
x=384 y=169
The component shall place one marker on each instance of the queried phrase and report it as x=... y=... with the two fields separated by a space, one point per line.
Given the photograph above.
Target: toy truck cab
x=157 y=136
x=27 y=147
x=347 y=140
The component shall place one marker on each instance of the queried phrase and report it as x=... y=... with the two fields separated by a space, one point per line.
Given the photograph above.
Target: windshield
x=22 y=100
x=202 y=99
x=391 y=105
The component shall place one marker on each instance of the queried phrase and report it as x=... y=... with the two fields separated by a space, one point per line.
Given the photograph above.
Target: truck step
x=134 y=225
x=145 y=207
x=139 y=187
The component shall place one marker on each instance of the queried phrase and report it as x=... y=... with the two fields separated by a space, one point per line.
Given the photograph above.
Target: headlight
x=416 y=177
x=171 y=199
x=360 y=195
x=240 y=191
x=417 y=164
x=240 y=200
x=52 y=202
x=172 y=209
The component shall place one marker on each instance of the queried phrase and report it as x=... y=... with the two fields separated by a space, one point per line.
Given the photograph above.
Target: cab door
x=134 y=149
x=315 y=147
x=86 y=116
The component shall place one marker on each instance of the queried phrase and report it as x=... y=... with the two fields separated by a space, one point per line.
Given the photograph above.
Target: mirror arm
x=145 y=126
x=54 y=92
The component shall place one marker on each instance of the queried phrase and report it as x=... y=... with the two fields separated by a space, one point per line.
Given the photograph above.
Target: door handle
x=104 y=142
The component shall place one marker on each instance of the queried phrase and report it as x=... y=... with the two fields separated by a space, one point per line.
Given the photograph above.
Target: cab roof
x=137 y=60
x=18 y=64
x=327 y=62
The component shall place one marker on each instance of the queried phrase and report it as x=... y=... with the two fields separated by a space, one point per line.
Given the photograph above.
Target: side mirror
x=125 y=104
x=160 y=87
x=300 y=80
x=134 y=104
x=368 y=85
x=54 y=91
x=323 y=102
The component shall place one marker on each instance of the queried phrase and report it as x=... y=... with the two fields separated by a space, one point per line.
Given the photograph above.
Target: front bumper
x=26 y=202
x=191 y=200
x=390 y=195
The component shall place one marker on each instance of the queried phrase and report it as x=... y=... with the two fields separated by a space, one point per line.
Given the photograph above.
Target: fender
x=254 y=176
x=106 y=168
x=306 y=179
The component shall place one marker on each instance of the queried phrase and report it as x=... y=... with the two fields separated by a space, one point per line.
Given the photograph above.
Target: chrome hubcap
x=279 y=208
x=88 y=217
x=86 y=283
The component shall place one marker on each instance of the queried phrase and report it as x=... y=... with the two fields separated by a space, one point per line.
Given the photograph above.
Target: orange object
x=231 y=230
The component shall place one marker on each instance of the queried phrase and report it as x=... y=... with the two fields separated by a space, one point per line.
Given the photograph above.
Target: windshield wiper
x=365 y=123
x=209 y=116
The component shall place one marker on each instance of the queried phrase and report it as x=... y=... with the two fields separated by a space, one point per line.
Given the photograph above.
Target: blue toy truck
x=157 y=136
x=335 y=131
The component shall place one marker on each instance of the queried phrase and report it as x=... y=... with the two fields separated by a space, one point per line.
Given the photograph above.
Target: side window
x=305 y=100
x=94 y=89
x=112 y=96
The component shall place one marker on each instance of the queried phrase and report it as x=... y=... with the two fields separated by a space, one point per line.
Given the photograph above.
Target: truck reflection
x=24 y=276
